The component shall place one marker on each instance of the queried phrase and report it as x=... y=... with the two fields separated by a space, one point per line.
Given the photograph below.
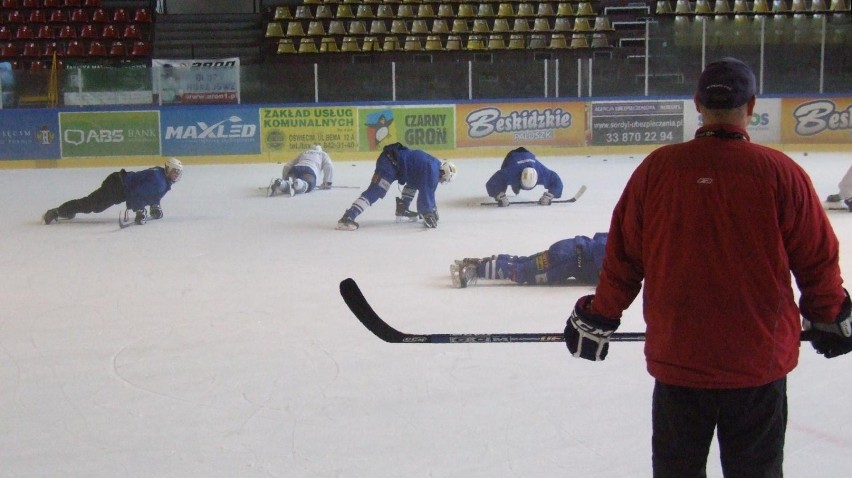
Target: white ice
x=214 y=342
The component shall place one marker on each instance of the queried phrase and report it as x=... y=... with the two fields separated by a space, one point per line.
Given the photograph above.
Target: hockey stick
x=571 y=199
x=359 y=306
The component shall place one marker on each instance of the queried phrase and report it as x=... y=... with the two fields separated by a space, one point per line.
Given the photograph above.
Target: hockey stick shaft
x=574 y=198
x=359 y=306
x=362 y=310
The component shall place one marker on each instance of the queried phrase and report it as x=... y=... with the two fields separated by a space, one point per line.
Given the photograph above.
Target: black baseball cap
x=725 y=84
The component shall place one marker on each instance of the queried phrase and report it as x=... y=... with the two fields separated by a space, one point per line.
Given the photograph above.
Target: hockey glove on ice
x=587 y=334
x=833 y=339
x=141 y=217
x=430 y=219
x=502 y=200
x=156 y=212
x=546 y=199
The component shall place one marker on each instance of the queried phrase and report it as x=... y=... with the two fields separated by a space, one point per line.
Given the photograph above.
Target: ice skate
x=833 y=198
x=402 y=212
x=273 y=187
x=346 y=224
x=463 y=275
x=50 y=216
x=287 y=186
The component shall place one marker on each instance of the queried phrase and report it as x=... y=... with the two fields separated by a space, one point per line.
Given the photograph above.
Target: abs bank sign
x=201 y=131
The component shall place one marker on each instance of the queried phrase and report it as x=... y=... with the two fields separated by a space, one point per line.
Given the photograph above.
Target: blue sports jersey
x=579 y=258
x=145 y=188
x=509 y=174
x=409 y=167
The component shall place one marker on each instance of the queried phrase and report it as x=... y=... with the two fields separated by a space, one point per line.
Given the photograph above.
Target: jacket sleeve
x=496 y=183
x=553 y=183
x=813 y=250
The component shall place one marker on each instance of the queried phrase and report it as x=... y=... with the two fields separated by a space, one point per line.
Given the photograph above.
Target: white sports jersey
x=317 y=161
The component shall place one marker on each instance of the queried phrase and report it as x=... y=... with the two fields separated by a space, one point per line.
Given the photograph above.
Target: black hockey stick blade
x=359 y=306
x=574 y=198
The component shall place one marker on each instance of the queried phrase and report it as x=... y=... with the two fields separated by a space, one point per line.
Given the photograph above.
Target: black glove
x=833 y=339
x=587 y=334
x=156 y=212
x=430 y=219
x=141 y=217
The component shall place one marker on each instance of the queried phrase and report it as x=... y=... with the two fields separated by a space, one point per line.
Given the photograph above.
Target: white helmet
x=529 y=178
x=448 y=171
x=174 y=169
x=317 y=148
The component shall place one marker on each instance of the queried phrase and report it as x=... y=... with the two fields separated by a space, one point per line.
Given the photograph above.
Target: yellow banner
x=297 y=129
x=521 y=124
x=823 y=120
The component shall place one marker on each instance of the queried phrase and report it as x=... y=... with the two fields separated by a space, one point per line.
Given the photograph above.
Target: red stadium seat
x=140 y=49
x=52 y=3
x=92 y=3
x=141 y=15
x=5 y=33
x=132 y=32
x=99 y=15
x=117 y=49
x=15 y=16
x=31 y=4
x=79 y=15
x=31 y=50
x=119 y=15
x=89 y=32
x=10 y=4
x=73 y=3
x=24 y=32
x=110 y=32
x=97 y=49
x=49 y=48
x=9 y=50
x=37 y=16
x=36 y=65
x=45 y=32
x=58 y=16
x=67 y=32
x=75 y=48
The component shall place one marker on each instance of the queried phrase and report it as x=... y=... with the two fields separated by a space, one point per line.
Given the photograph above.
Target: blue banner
x=204 y=130
x=29 y=134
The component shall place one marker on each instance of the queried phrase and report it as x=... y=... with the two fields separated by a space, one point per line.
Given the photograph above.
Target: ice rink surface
x=214 y=343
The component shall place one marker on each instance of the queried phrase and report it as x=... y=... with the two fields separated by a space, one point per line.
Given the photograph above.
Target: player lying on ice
x=578 y=259
x=300 y=175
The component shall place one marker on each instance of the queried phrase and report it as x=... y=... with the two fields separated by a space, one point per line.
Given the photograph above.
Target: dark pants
x=751 y=423
x=109 y=194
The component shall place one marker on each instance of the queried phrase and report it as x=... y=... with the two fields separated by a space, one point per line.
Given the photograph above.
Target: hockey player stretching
x=300 y=175
x=418 y=171
x=521 y=170
x=138 y=189
x=579 y=258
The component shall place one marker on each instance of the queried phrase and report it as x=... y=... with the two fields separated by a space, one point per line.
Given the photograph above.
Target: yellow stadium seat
x=562 y=24
x=344 y=10
x=516 y=42
x=722 y=7
x=274 y=30
x=405 y=11
x=460 y=26
x=329 y=45
x=336 y=27
x=500 y=25
x=412 y=43
x=391 y=43
x=466 y=10
x=484 y=11
x=350 y=45
x=307 y=45
x=316 y=28
x=602 y=24
x=285 y=46
x=585 y=9
x=294 y=29
x=425 y=10
x=440 y=26
x=282 y=13
x=475 y=42
x=520 y=25
x=496 y=42
x=433 y=43
x=357 y=27
x=537 y=41
x=454 y=43
x=564 y=10
x=399 y=26
x=378 y=27
x=364 y=11
x=599 y=40
x=480 y=25
x=324 y=11
x=303 y=12
x=505 y=10
x=384 y=11
x=445 y=10
x=525 y=10
x=541 y=25
x=664 y=8
x=419 y=26
x=371 y=43
x=557 y=41
x=544 y=10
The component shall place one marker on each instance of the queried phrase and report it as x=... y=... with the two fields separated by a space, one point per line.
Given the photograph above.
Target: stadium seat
x=460 y=26
x=399 y=27
x=58 y=16
x=285 y=46
x=142 y=15
x=485 y=10
x=412 y=43
x=520 y=25
x=316 y=28
x=683 y=7
x=37 y=16
x=75 y=49
x=140 y=49
x=9 y=50
x=419 y=26
x=391 y=43
x=294 y=29
x=525 y=10
x=496 y=42
x=31 y=4
x=405 y=11
x=425 y=10
x=24 y=32
x=53 y=4
x=89 y=32
x=282 y=13
x=350 y=45
x=722 y=7
x=329 y=45
x=49 y=48
x=585 y=9
x=544 y=10
x=120 y=15
x=445 y=10
x=323 y=11
x=307 y=45
x=664 y=8
x=370 y=43
x=336 y=27
x=505 y=10
x=501 y=25
x=565 y=9
x=702 y=7
x=439 y=26
x=780 y=6
x=541 y=25
x=364 y=11
x=110 y=32
x=537 y=41
x=117 y=49
x=454 y=43
x=99 y=15
x=378 y=27
x=760 y=7
x=10 y=4
x=357 y=27
x=475 y=43
x=73 y=3
x=480 y=25
x=384 y=11
x=274 y=30
x=562 y=24
x=37 y=65
x=15 y=16
x=517 y=41
x=581 y=25
x=343 y=11
x=579 y=41
x=5 y=33
x=558 y=42
x=132 y=32
x=466 y=11
x=79 y=15
x=30 y=50
x=46 y=32
x=434 y=43
x=97 y=49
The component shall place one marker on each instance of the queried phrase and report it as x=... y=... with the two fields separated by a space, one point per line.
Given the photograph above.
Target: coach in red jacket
x=714 y=227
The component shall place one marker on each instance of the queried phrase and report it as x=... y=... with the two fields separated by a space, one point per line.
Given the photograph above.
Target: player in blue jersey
x=137 y=189
x=578 y=259
x=521 y=170
x=418 y=171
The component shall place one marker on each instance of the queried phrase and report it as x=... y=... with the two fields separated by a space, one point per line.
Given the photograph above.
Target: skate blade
x=405 y=219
